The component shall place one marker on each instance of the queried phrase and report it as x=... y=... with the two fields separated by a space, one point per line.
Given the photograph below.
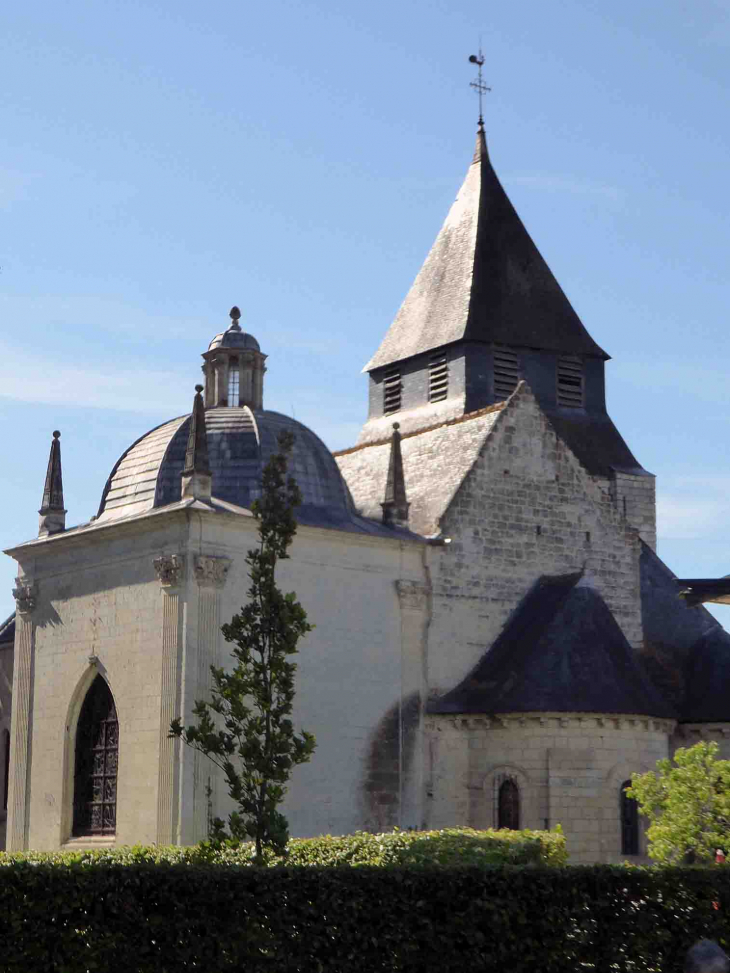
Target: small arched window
x=629 y=822
x=234 y=383
x=6 y=767
x=508 y=805
x=95 y=771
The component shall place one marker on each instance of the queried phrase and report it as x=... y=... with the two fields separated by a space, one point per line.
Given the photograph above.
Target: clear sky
x=164 y=160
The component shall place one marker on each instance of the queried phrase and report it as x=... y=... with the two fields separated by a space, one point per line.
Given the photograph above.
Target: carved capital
x=211 y=571
x=170 y=569
x=412 y=594
x=24 y=593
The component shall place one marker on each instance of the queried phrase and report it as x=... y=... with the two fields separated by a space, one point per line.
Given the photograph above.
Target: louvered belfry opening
x=97 y=756
x=438 y=378
x=570 y=383
x=506 y=373
x=508 y=805
x=392 y=386
x=629 y=822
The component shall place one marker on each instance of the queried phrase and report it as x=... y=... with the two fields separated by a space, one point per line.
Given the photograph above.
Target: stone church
x=497 y=643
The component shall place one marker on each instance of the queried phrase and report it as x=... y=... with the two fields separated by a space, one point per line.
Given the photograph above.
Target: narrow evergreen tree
x=245 y=729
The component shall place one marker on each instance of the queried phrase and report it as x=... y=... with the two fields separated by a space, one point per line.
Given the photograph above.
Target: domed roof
x=234 y=338
x=240 y=442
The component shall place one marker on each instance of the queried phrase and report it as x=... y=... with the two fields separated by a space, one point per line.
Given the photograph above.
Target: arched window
x=6 y=767
x=95 y=773
x=629 y=822
x=234 y=383
x=508 y=805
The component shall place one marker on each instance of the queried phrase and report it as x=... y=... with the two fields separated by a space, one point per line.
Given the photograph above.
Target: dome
x=240 y=442
x=234 y=337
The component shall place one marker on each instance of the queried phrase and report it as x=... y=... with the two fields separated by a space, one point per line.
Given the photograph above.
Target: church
x=497 y=643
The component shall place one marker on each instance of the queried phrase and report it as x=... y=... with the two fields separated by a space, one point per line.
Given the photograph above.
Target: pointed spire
x=52 y=514
x=480 y=149
x=196 y=475
x=395 y=507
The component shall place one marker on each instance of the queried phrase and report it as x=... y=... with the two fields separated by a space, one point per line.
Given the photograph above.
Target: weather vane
x=479 y=85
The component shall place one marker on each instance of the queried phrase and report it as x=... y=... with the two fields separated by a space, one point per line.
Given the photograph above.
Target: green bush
x=450 y=846
x=146 y=916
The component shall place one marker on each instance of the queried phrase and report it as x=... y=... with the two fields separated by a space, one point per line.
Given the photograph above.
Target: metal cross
x=479 y=85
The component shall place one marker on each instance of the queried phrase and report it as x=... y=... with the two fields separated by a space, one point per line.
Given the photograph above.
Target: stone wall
x=636 y=498
x=569 y=769
x=6 y=687
x=525 y=508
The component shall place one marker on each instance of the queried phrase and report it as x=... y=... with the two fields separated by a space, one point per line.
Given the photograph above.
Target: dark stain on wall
x=390 y=753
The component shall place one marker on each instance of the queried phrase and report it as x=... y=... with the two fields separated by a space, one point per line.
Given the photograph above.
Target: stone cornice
x=551 y=721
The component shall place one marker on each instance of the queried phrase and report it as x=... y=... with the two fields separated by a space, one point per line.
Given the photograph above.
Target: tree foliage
x=245 y=729
x=687 y=801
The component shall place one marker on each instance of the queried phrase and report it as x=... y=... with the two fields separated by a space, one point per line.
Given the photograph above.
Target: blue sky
x=162 y=161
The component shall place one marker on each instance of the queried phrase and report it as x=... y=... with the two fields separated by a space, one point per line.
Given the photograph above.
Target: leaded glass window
x=508 y=805
x=234 y=383
x=97 y=755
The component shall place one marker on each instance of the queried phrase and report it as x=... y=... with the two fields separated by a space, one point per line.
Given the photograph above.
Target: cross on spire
x=479 y=86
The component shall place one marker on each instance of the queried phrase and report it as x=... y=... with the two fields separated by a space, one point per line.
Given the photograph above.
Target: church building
x=497 y=643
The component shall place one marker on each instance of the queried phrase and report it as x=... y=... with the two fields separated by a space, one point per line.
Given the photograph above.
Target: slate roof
x=7 y=630
x=561 y=651
x=686 y=651
x=484 y=280
x=240 y=442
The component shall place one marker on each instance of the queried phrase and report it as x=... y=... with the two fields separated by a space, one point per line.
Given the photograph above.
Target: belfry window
x=234 y=383
x=438 y=378
x=506 y=373
x=629 y=822
x=570 y=383
x=508 y=805
x=392 y=386
x=6 y=768
x=95 y=771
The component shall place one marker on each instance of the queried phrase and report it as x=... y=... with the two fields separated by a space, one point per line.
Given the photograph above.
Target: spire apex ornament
x=52 y=514
x=234 y=314
x=395 y=507
x=196 y=475
x=479 y=86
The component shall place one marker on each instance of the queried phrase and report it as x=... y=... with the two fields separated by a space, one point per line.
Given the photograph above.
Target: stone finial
x=170 y=569
x=395 y=506
x=196 y=475
x=234 y=314
x=52 y=516
x=24 y=593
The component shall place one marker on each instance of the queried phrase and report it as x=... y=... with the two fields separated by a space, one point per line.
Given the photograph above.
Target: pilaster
x=415 y=606
x=170 y=571
x=210 y=573
x=21 y=720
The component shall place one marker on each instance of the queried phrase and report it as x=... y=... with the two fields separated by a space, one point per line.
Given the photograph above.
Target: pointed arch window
x=508 y=805
x=629 y=822
x=96 y=759
x=234 y=382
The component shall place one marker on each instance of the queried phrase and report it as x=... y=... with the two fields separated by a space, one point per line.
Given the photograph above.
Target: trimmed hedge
x=450 y=846
x=144 y=917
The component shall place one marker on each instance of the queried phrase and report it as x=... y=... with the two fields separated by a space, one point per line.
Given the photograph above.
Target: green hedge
x=450 y=846
x=143 y=917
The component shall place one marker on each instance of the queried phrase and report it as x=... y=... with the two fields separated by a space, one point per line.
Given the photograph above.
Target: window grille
x=6 y=767
x=570 y=383
x=438 y=378
x=234 y=384
x=506 y=373
x=392 y=386
x=629 y=822
x=97 y=755
x=508 y=805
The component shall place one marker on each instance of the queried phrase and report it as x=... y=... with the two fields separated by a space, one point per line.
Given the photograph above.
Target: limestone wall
x=569 y=769
x=636 y=498
x=6 y=687
x=525 y=508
